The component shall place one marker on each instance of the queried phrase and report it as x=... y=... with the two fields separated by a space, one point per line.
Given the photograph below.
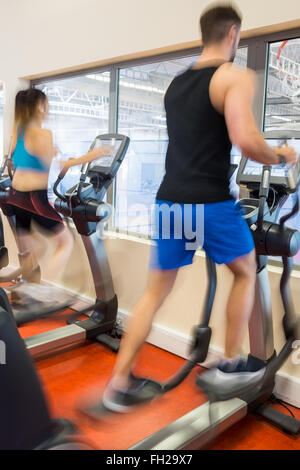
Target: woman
x=33 y=151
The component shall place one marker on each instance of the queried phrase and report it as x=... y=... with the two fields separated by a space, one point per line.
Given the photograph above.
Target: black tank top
x=198 y=156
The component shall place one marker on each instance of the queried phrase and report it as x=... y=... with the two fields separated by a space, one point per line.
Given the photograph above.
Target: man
x=208 y=108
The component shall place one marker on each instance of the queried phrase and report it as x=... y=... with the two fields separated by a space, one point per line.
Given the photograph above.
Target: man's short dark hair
x=216 y=22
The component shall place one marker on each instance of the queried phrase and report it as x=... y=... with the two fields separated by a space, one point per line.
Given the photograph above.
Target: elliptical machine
x=25 y=419
x=229 y=402
x=84 y=204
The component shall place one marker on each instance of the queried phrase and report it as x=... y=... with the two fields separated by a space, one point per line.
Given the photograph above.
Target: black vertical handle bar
x=263 y=195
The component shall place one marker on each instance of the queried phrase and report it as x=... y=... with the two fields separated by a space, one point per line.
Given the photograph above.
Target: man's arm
x=242 y=129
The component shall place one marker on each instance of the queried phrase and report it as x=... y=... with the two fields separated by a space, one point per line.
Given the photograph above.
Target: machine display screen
x=253 y=168
x=106 y=161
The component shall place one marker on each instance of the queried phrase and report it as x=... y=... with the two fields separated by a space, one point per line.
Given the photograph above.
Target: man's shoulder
x=234 y=74
x=227 y=78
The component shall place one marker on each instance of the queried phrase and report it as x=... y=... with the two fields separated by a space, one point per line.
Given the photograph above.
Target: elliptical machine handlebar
x=263 y=195
x=265 y=181
x=60 y=177
x=83 y=176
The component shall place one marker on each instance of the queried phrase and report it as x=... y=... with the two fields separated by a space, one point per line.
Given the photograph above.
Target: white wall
x=37 y=36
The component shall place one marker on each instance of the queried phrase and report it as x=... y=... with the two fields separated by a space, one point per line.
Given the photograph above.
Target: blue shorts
x=219 y=228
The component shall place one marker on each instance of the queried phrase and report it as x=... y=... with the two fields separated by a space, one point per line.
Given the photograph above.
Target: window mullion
x=113 y=128
x=257 y=58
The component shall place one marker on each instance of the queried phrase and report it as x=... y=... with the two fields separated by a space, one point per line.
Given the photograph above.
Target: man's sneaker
x=231 y=367
x=224 y=382
x=140 y=391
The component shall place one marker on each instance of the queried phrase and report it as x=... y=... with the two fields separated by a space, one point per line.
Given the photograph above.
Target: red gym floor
x=79 y=375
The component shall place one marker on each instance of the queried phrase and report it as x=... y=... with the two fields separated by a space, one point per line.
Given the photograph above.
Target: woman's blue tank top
x=24 y=161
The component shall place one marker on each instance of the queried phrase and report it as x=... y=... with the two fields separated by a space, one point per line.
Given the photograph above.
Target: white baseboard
x=287 y=388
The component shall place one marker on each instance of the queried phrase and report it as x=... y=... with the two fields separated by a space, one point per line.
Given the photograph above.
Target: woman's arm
x=88 y=157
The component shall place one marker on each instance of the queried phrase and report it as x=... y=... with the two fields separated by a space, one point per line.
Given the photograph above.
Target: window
x=79 y=111
x=141 y=116
x=1 y=119
x=283 y=86
x=282 y=111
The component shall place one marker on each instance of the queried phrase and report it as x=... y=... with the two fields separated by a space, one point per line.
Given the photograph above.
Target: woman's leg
x=61 y=235
x=64 y=242
x=29 y=248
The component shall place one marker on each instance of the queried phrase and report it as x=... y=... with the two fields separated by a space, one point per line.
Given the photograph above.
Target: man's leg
x=241 y=375
x=160 y=284
x=240 y=303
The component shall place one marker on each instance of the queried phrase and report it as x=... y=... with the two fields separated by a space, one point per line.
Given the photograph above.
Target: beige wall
x=37 y=36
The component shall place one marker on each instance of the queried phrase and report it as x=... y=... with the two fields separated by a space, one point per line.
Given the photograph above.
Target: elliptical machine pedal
x=113 y=338
x=109 y=341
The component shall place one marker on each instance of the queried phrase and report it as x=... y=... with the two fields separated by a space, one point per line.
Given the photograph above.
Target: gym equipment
x=230 y=401
x=83 y=203
x=25 y=419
